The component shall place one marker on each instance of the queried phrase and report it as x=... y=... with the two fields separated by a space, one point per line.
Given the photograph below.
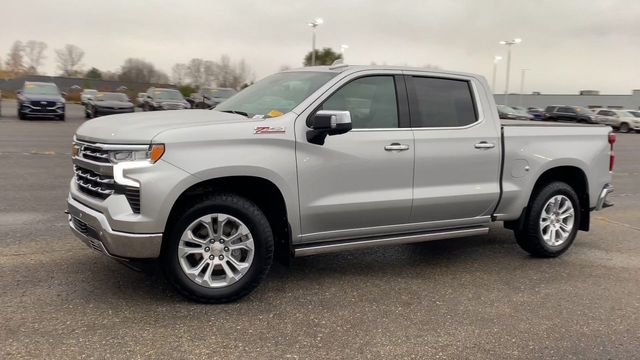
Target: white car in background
x=140 y=99
x=87 y=94
x=622 y=120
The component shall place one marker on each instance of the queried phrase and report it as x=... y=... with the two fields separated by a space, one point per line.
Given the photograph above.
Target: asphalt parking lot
x=480 y=297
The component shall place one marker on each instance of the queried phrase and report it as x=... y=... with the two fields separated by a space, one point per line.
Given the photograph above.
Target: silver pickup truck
x=325 y=159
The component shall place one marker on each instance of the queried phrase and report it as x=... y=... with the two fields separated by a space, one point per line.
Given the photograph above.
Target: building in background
x=9 y=86
x=587 y=98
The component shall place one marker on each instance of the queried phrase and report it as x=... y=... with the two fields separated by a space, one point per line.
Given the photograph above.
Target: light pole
x=496 y=60
x=509 y=43
x=522 y=72
x=343 y=48
x=314 y=24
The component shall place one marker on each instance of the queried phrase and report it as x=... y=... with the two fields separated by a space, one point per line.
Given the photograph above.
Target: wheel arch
x=574 y=177
x=263 y=192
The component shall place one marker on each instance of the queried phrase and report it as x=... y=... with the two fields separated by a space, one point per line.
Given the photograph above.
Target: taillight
x=612 y=155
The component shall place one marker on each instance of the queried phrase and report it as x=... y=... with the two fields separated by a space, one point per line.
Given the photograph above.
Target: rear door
x=457 y=147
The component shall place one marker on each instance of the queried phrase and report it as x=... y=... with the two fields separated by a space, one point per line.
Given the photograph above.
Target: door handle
x=484 y=145
x=396 y=147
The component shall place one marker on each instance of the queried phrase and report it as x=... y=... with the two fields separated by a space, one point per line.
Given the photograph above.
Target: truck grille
x=172 y=106
x=94 y=184
x=43 y=104
x=94 y=154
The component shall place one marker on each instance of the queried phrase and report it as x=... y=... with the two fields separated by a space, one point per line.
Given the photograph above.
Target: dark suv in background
x=576 y=114
x=164 y=99
x=40 y=99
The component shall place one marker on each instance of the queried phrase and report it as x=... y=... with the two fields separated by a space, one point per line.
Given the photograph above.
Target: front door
x=359 y=183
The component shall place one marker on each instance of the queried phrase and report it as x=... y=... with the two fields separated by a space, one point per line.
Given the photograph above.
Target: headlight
x=153 y=154
x=60 y=104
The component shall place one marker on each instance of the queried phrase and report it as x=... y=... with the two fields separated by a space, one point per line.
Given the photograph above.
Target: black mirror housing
x=327 y=122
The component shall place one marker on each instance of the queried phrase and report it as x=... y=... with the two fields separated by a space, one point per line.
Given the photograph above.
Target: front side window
x=370 y=100
x=567 y=110
x=442 y=103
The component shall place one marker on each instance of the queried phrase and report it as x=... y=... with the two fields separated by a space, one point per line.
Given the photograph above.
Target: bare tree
x=209 y=75
x=179 y=74
x=34 y=52
x=231 y=75
x=138 y=70
x=195 y=71
x=69 y=59
x=15 y=58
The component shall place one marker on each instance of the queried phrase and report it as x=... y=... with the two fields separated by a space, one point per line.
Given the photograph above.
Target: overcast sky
x=568 y=44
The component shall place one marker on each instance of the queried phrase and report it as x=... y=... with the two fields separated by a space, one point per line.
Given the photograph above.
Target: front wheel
x=551 y=221
x=624 y=128
x=219 y=250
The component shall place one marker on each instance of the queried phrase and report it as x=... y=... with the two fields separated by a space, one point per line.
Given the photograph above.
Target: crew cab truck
x=325 y=159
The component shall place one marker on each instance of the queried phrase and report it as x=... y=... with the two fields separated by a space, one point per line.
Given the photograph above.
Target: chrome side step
x=329 y=247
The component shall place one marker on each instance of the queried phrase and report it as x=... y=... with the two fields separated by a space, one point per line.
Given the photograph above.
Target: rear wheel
x=219 y=250
x=551 y=221
x=624 y=127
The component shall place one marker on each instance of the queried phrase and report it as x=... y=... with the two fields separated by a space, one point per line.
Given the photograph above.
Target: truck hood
x=142 y=127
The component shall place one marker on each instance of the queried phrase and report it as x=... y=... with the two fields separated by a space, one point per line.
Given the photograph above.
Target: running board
x=329 y=247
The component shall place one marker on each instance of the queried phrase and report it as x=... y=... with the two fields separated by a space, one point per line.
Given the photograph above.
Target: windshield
x=506 y=109
x=219 y=93
x=41 y=89
x=167 y=95
x=278 y=93
x=624 y=113
x=635 y=113
x=112 y=97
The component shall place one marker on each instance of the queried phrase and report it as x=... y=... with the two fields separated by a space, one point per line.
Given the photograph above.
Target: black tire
x=257 y=223
x=624 y=128
x=530 y=237
x=21 y=115
x=61 y=117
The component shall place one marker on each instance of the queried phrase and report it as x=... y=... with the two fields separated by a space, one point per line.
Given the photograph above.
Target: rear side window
x=567 y=109
x=442 y=103
x=550 y=109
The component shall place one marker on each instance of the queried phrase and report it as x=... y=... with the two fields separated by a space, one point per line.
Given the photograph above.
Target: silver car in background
x=621 y=120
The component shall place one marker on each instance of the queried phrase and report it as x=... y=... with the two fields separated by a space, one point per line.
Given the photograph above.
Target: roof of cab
x=355 y=68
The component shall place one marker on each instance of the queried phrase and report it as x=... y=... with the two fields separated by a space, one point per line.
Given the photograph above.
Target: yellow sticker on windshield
x=274 y=113
x=28 y=85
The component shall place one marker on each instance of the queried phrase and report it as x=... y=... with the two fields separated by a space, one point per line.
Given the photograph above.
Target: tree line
x=27 y=58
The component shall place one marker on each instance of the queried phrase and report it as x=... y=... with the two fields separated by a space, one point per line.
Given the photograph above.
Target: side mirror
x=327 y=122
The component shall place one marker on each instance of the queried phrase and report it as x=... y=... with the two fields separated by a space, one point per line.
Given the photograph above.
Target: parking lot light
x=343 y=48
x=508 y=43
x=314 y=24
x=496 y=60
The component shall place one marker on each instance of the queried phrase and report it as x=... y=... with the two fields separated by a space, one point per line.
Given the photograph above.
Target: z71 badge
x=269 y=130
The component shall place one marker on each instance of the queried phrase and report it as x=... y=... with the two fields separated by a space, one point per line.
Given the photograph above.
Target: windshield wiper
x=236 y=112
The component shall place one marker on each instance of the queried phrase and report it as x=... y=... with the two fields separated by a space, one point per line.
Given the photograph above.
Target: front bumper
x=92 y=228
x=108 y=111
x=42 y=111
x=602 y=199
